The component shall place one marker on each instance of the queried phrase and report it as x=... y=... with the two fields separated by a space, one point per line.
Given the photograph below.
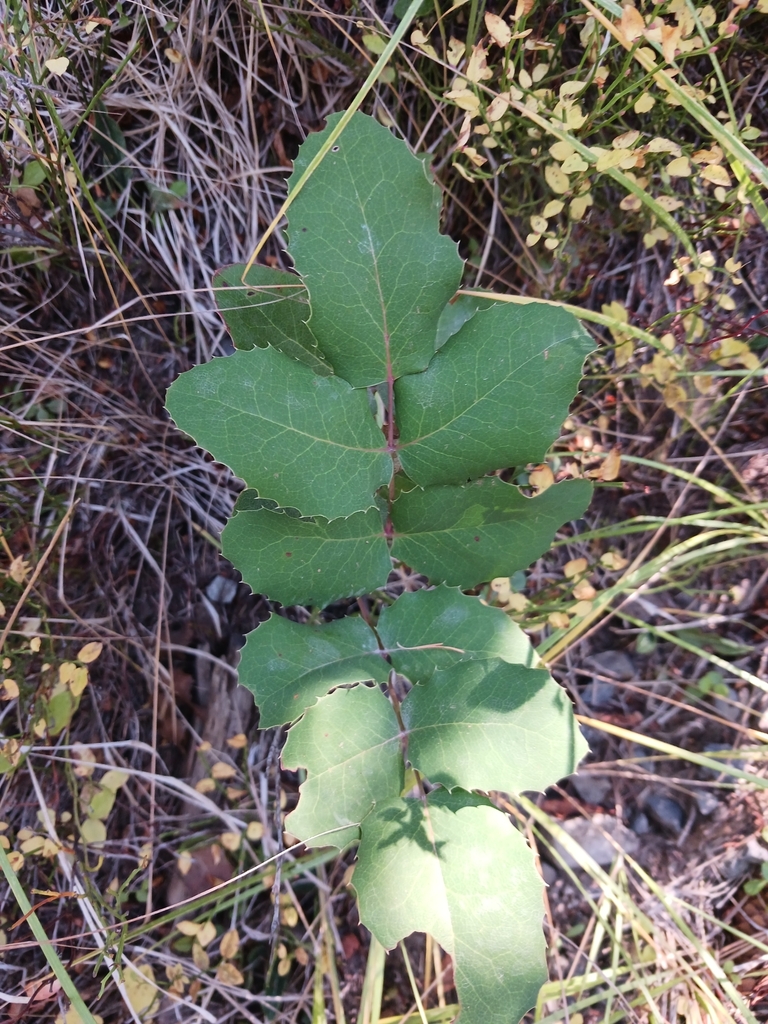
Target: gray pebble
x=592 y=789
x=590 y=834
x=611 y=663
x=640 y=824
x=598 y=695
x=706 y=802
x=221 y=589
x=666 y=811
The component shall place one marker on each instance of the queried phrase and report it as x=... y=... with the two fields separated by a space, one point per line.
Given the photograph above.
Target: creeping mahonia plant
x=368 y=410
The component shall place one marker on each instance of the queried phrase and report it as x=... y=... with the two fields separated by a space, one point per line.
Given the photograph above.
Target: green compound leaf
x=466 y=629
x=466 y=535
x=349 y=743
x=305 y=441
x=288 y=666
x=271 y=308
x=458 y=870
x=298 y=561
x=364 y=237
x=490 y=725
x=495 y=395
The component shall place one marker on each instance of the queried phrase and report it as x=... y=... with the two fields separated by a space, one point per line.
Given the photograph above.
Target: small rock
x=592 y=789
x=598 y=695
x=726 y=708
x=593 y=834
x=666 y=811
x=612 y=663
x=706 y=802
x=221 y=589
x=548 y=873
x=640 y=824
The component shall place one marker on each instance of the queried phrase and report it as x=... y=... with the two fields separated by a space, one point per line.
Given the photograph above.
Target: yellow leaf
x=522 y=8
x=609 y=158
x=374 y=43
x=553 y=208
x=207 y=934
x=474 y=156
x=669 y=203
x=579 y=206
x=57 y=65
x=89 y=652
x=551 y=243
x=708 y=156
x=626 y=141
x=79 y=681
x=173 y=55
x=539 y=72
x=532 y=239
x=726 y=302
x=477 y=67
x=631 y=203
x=465 y=99
x=680 y=167
x=662 y=145
x=497 y=108
x=631 y=24
x=663 y=370
x=644 y=103
x=670 y=41
x=230 y=841
x=574 y=117
x=10 y=690
x=584 y=591
x=575 y=567
x=541 y=478
x=16 y=860
x=708 y=15
x=525 y=79
x=422 y=42
x=581 y=608
x=518 y=603
x=674 y=395
x=555 y=178
x=574 y=164
x=538 y=224
x=230 y=943
x=455 y=51
x=561 y=150
x=498 y=29
x=220 y=770
x=624 y=352
x=559 y=620
x=32 y=845
x=113 y=779
x=189 y=928
x=145 y=856
x=254 y=831
x=610 y=468
x=67 y=672
x=200 y=958
x=228 y=974
x=184 y=862
x=614 y=561
x=572 y=88
x=716 y=174
x=93 y=831
x=205 y=786
x=289 y=917
x=139 y=987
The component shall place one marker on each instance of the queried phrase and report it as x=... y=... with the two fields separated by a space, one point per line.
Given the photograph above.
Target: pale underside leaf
x=303 y=440
x=456 y=868
x=364 y=236
x=494 y=396
x=270 y=308
x=296 y=561
x=288 y=666
x=490 y=725
x=466 y=535
x=349 y=743
x=449 y=627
